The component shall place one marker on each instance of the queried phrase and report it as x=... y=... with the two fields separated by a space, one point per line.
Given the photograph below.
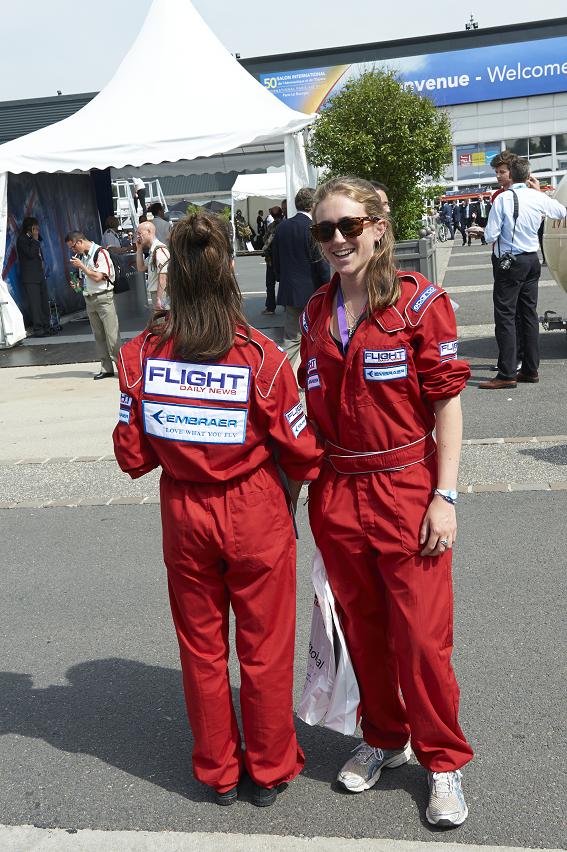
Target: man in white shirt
x=160 y=224
x=516 y=269
x=139 y=194
x=156 y=265
x=97 y=273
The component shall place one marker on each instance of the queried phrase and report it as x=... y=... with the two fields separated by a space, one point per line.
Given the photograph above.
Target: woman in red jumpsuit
x=379 y=369
x=214 y=402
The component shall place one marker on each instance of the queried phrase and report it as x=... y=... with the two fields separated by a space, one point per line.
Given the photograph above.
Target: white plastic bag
x=330 y=694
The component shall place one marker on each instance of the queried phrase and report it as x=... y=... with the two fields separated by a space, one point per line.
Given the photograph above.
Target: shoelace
x=364 y=752
x=444 y=783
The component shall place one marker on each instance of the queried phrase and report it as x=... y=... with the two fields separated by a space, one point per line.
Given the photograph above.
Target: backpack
x=118 y=276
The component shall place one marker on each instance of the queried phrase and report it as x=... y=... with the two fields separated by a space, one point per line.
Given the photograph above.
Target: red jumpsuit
x=374 y=408
x=228 y=537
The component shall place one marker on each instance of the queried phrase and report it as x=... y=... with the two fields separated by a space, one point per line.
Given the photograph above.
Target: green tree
x=377 y=129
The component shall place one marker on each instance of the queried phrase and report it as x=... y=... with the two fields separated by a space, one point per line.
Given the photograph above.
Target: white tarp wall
x=223 y=121
x=12 y=328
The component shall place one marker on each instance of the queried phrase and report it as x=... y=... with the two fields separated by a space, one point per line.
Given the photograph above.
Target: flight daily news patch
x=376 y=357
x=194 y=423
x=197 y=381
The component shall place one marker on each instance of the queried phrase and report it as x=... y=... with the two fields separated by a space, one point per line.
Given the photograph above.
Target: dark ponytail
x=206 y=303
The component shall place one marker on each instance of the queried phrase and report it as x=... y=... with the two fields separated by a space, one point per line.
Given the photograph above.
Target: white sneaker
x=363 y=769
x=447 y=807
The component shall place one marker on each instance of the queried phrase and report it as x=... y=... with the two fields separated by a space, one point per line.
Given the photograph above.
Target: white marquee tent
x=189 y=122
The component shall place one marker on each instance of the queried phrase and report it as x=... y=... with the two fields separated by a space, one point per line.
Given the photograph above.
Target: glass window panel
x=539 y=145
x=473 y=161
x=561 y=142
x=541 y=163
x=518 y=146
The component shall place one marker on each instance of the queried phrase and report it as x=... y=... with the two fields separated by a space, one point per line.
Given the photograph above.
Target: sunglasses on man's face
x=349 y=226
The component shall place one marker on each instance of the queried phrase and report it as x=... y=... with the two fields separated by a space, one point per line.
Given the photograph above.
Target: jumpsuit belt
x=355 y=462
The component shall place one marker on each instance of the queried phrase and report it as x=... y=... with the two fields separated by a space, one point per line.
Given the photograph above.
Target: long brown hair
x=206 y=303
x=381 y=276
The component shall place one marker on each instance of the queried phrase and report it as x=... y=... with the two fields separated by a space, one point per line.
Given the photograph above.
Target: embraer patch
x=194 y=423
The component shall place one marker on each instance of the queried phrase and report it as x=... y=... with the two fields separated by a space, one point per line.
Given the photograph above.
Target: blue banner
x=60 y=203
x=454 y=77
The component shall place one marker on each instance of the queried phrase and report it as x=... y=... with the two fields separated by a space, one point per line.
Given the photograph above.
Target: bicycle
x=443 y=232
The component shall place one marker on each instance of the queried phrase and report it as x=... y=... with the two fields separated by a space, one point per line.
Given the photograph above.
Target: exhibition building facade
x=502 y=87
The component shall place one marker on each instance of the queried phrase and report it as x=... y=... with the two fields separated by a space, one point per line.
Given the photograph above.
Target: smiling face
x=348 y=255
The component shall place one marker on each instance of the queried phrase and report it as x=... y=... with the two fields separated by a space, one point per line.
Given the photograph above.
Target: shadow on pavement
x=70 y=374
x=125 y=713
x=552 y=455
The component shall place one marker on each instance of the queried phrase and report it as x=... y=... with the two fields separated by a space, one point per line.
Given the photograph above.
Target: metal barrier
x=417 y=256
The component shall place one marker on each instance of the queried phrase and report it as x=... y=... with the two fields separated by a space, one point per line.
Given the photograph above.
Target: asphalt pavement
x=95 y=740
x=94 y=728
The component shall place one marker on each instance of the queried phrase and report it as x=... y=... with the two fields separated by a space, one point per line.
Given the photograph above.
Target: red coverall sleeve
x=133 y=451
x=299 y=452
x=441 y=375
x=301 y=372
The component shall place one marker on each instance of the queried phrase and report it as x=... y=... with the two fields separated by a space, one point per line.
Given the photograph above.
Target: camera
x=505 y=261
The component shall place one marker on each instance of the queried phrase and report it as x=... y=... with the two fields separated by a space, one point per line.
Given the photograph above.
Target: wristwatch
x=447 y=495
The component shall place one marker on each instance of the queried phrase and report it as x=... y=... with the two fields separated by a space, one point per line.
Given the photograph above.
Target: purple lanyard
x=342 y=321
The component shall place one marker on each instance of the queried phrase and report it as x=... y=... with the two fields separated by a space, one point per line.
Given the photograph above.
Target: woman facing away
x=214 y=402
x=380 y=370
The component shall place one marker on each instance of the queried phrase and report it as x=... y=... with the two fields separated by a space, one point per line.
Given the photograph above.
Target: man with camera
x=513 y=226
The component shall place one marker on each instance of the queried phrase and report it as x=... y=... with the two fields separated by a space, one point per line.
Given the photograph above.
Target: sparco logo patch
x=421 y=300
x=197 y=381
x=194 y=424
x=385 y=374
x=449 y=349
x=374 y=357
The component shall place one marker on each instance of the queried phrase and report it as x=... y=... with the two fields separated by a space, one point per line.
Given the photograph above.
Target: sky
x=76 y=46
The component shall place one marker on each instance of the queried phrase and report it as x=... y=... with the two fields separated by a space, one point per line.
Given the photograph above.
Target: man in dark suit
x=298 y=266
x=32 y=276
x=459 y=220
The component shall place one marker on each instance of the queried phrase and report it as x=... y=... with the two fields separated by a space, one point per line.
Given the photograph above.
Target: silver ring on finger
x=444 y=542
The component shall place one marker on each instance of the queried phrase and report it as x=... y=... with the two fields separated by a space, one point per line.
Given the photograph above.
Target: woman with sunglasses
x=213 y=401
x=380 y=372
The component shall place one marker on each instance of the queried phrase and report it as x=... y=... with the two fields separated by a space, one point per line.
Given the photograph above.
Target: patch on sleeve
x=423 y=298
x=294 y=413
x=125 y=400
x=448 y=349
x=299 y=426
x=304 y=323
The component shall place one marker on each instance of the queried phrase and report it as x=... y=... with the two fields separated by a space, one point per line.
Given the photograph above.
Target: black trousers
x=459 y=226
x=140 y=197
x=270 y=288
x=38 y=305
x=515 y=293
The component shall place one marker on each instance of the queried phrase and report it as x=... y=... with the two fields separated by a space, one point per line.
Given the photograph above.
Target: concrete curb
x=27 y=838
x=153 y=499
x=467 y=442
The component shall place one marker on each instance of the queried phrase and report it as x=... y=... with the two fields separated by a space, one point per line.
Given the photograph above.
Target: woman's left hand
x=439 y=526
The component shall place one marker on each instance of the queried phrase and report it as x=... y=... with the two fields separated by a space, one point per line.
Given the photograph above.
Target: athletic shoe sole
x=392 y=763
x=449 y=820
